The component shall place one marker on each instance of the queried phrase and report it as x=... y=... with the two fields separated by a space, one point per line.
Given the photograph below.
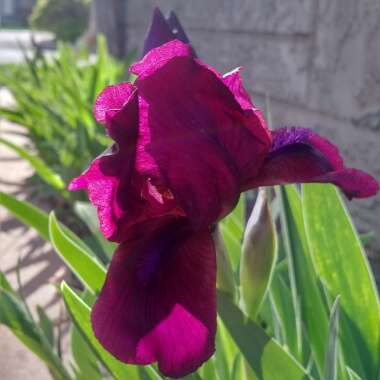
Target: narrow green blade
x=314 y=315
x=267 y=358
x=86 y=267
x=232 y=229
x=80 y=314
x=34 y=217
x=342 y=264
x=331 y=361
x=14 y=315
x=47 y=174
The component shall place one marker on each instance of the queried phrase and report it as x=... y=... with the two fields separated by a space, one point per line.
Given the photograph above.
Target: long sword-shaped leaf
x=267 y=358
x=14 y=315
x=232 y=229
x=47 y=174
x=80 y=314
x=332 y=346
x=342 y=264
x=313 y=310
x=86 y=267
x=34 y=217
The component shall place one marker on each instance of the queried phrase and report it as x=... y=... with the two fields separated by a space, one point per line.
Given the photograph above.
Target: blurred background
x=316 y=61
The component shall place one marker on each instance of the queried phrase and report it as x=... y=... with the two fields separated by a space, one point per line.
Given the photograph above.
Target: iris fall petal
x=299 y=155
x=158 y=302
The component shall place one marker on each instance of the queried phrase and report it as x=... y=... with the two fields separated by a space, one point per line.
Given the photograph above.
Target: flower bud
x=258 y=256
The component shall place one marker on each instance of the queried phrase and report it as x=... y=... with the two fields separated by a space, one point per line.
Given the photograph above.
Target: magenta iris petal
x=112 y=99
x=201 y=122
x=252 y=142
x=110 y=175
x=234 y=82
x=121 y=196
x=158 y=302
x=102 y=191
x=299 y=155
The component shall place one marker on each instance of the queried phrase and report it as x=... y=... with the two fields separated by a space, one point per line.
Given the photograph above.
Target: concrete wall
x=318 y=60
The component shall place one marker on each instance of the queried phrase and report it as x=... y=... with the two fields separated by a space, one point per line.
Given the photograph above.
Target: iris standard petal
x=254 y=141
x=299 y=155
x=176 y=28
x=158 y=303
x=194 y=133
x=163 y=29
x=159 y=32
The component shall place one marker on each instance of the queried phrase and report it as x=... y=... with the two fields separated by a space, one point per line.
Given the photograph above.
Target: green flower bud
x=258 y=256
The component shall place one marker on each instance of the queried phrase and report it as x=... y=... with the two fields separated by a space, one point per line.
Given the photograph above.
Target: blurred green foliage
x=54 y=99
x=67 y=19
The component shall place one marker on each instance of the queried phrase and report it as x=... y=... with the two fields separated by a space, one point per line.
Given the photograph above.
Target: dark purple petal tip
x=299 y=155
x=163 y=30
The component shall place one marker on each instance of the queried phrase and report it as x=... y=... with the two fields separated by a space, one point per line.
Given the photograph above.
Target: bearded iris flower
x=188 y=141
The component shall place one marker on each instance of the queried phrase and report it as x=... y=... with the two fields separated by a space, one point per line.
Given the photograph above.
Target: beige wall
x=319 y=61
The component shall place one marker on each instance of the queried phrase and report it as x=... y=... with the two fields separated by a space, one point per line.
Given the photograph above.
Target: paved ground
x=40 y=267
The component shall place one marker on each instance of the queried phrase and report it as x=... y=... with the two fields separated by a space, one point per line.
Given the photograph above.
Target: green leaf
x=332 y=346
x=85 y=359
x=47 y=174
x=26 y=213
x=313 y=313
x=342 y=264
x=149 y=373
x=5 y=285
x=237 y=372
x=353 y=375
x=87 y=213
x=34 y=217
x=192 y=376
x=80 y=314
x=14 y=315
x=225 y=279
x=46 y=325
x=267 y=358
x=225 y=349
x=208 y=370
x=281 y=301
x=289 y=249
x=232 y=229
x=81 y=262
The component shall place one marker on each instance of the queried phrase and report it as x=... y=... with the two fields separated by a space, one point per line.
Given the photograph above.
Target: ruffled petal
x=121 y=196
x=109 y=178
x=112 y=99
x=249 y=148
x=234 y=82
x=299 y=155
x=102 y=191
x=158 y=303
x=194 y=133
